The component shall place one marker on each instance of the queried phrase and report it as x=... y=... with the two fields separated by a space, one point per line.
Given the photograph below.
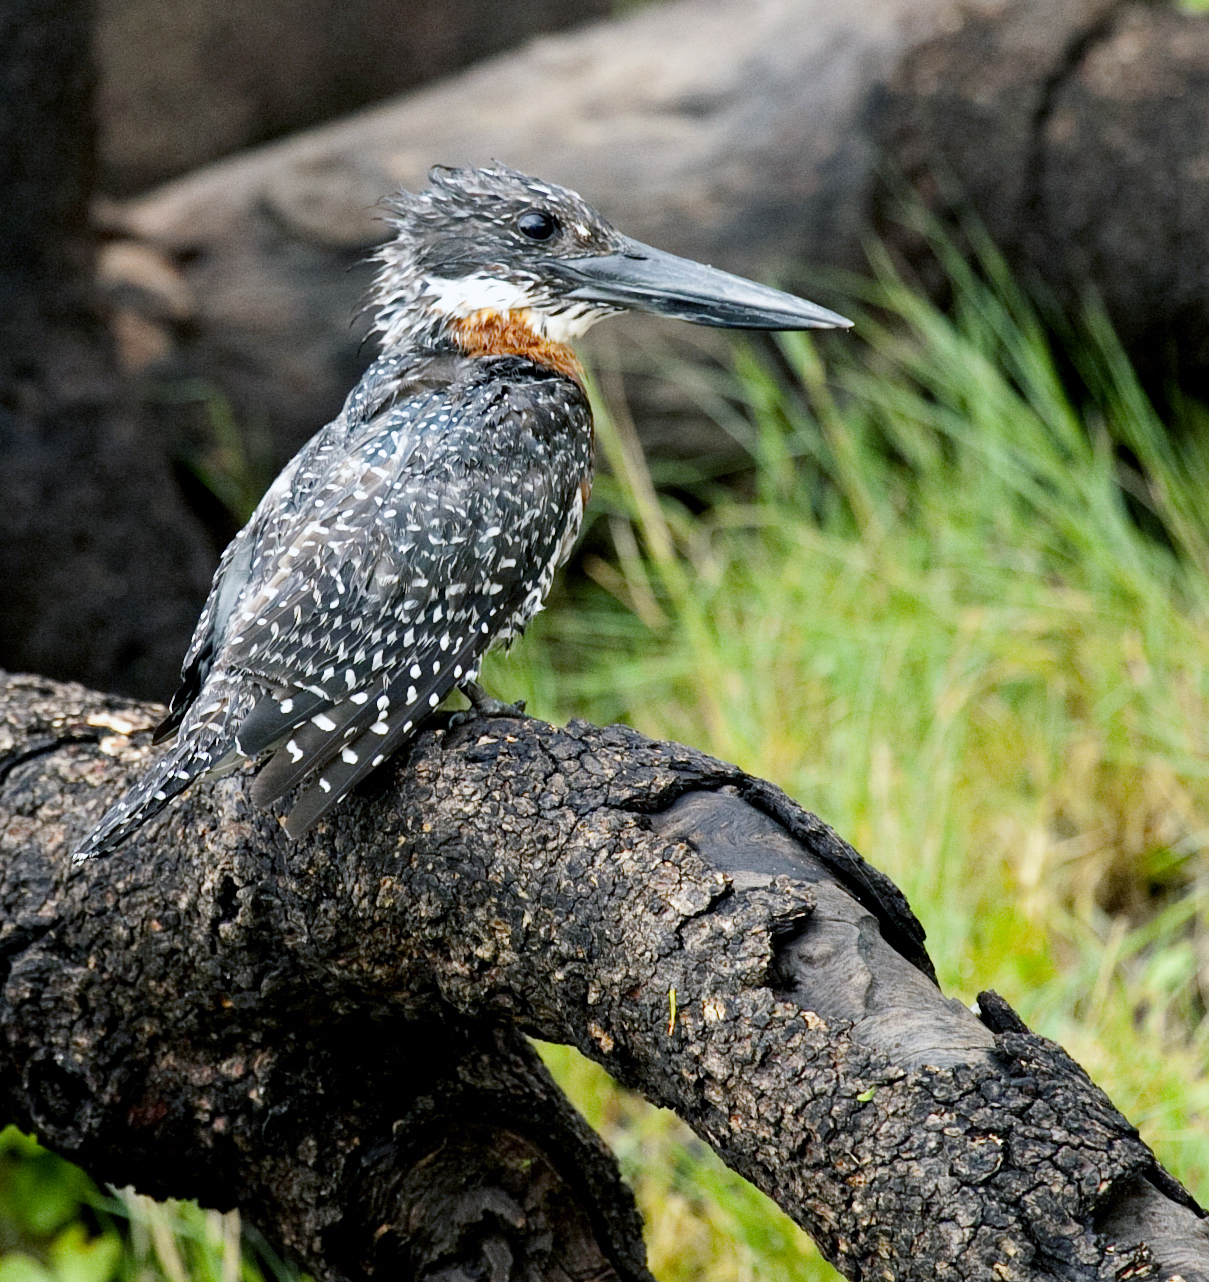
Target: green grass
x=56 y=1226
x=958 y=607
x=963 y=616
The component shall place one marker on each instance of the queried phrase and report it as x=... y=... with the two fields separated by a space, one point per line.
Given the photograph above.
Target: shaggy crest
x=458 y=249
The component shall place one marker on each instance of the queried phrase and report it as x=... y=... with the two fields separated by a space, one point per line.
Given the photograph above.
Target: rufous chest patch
x=490 y=333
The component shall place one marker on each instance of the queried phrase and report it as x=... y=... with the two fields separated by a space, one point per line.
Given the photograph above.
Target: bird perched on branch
x=423 y=525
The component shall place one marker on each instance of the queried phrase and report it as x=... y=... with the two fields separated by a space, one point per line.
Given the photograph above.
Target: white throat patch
x=465 y=295
x=551 y=318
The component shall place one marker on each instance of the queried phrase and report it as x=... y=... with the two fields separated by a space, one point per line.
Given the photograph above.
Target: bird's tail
x=169 y=777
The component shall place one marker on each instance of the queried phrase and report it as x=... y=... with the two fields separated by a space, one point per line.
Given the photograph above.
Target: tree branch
x=326 y=1032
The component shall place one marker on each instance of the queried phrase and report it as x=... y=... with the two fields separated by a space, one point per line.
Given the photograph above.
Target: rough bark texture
x=751 y=135
x=327 y=1032
x=102 y=571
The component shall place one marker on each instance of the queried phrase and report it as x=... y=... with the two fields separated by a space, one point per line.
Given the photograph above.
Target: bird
x=425 y=523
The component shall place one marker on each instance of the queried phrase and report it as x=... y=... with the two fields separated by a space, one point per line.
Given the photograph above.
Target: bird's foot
x=483 y=705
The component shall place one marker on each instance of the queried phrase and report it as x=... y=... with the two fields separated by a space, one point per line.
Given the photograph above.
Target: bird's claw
x=483 y=705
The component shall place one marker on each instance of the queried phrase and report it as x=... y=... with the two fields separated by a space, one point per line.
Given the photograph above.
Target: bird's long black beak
x=649 y=280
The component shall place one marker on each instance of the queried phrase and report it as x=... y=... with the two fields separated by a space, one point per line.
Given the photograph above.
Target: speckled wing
x=260 y=541
x=432 y=536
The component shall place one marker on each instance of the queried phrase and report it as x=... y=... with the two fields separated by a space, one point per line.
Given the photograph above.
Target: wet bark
x=328 y=1033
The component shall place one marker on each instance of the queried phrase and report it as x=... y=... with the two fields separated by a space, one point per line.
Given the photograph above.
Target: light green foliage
x=959 y=610
x=55 y=1226
x=42 y=1238
x=961 y=614
x=39 y=1192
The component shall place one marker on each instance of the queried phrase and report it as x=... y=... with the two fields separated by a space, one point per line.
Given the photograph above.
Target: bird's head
x=493 y=245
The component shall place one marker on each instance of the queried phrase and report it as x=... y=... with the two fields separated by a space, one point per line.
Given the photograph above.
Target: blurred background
x=945 y=580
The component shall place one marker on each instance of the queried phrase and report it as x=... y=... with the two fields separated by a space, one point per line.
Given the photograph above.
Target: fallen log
x=328 y=1033
x=751 y=135
x=182 y=82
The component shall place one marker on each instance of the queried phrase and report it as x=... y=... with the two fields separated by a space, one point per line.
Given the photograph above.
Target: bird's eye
x=536 y=225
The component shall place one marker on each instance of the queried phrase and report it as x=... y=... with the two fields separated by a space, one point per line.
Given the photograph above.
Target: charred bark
x=328 y=1033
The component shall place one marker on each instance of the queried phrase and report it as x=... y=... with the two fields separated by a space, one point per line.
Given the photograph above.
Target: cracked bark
x=329 y=1033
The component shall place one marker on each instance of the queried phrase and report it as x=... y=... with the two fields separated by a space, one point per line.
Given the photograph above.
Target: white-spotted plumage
x=339 y=639
x=423 y=525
